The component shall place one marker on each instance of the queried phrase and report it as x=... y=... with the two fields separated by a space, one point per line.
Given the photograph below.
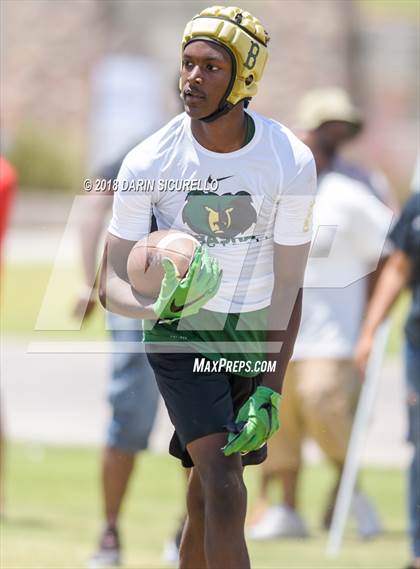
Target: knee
x=225 y=489
x=195 y=500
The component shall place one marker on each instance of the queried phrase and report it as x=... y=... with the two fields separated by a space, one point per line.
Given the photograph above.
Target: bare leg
x=224 y=503
x=117 y=467
x=263 y=501
x=191 y=553
x=329 y=510
x=285 y=479
x=180 y=529
x=289 y=480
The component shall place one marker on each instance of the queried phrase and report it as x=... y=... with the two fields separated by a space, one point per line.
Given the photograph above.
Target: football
x=144 y=267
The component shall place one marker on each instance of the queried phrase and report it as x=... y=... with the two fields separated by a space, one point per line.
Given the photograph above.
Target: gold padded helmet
x=246 y=40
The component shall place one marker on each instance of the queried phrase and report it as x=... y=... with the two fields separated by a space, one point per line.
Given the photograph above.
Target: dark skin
x=205 y=75
x=216 y=500
x=330 y=136
x=326 y=140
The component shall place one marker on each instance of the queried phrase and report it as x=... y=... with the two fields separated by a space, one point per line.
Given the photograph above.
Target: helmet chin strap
x=219 y=112
x=223 y=110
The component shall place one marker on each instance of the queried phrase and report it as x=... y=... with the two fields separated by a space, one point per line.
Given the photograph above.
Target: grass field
x=24 y=290
x=26 y=285
x=53 y=514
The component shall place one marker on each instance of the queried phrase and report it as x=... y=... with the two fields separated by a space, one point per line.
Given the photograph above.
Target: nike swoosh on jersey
x=210 y=179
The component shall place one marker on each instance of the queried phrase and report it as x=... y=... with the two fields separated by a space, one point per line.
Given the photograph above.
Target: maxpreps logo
x=219 y=218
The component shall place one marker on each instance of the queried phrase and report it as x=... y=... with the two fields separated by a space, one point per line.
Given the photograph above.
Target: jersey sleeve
x=293 y=223
x=132 y=208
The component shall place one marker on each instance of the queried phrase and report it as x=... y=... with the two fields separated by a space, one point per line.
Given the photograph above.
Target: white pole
x=357 y=439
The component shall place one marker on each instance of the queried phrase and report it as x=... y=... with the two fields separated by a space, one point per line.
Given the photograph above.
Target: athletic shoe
x=109 y=551
x=278 y=521
x=367 y=518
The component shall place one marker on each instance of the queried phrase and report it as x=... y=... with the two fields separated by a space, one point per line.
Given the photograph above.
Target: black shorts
x=200 y=403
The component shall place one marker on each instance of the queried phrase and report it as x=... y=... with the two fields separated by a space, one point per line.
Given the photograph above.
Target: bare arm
x=286 y=308
x=91 y=227
x=97 y=208
x=373 y=277
x=115 y=292
x=393 y=280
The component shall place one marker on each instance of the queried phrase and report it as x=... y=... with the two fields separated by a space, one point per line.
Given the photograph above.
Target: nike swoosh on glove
x=256 y=422
x=185 y=297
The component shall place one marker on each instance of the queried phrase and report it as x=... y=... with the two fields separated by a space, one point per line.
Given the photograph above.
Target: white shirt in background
x=350 y=230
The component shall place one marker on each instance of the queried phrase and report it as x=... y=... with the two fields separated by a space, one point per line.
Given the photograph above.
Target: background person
x=8 y=180
x=123 y=110
x=328 y=119
x=402 y=271
x=322 y=384
x=132 y=390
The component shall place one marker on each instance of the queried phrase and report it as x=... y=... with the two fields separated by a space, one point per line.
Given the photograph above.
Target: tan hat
x=327 y=104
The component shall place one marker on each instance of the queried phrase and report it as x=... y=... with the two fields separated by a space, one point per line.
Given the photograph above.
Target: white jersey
x=237 y=203
x=350 y=230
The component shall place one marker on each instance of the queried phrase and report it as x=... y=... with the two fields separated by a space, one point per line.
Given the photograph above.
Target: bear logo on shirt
x=223 y=216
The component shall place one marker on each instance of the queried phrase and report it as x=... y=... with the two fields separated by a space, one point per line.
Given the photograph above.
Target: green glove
x=257 y=421
x=184 y=297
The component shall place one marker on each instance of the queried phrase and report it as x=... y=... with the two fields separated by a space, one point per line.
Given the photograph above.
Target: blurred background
x=51 y=49
x=81 y=81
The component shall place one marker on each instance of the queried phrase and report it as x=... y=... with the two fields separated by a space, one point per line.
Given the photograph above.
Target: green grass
x=53 y=514
x=26 y=285
x=23 y=292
